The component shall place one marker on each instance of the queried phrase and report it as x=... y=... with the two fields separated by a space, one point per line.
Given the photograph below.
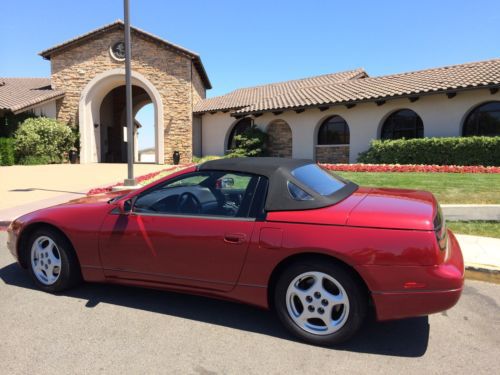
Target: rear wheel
x=51 y=261
x=320 y=302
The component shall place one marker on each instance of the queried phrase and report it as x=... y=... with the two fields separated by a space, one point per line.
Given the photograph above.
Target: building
x=86 y=89
x=329 y=118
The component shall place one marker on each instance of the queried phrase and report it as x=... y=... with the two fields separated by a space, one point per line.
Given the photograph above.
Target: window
x=297 y=193
x=214 y=193
x=317 y=179
x=483 y=120
x=333 y=131
x=239 y=128
x=403 y=124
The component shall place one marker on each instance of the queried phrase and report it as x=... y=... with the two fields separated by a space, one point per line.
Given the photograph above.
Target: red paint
x=385 y=235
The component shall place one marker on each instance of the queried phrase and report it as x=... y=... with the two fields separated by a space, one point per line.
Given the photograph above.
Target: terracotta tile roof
x=245 y=97
x=17 y=94
x=118 y=24
x=444 y=79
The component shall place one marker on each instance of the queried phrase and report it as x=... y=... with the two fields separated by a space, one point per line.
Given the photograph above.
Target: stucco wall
x=47 y=109
x=441 y=117
x=169 y=72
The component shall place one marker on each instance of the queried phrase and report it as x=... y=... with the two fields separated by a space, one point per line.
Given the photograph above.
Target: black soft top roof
x=279 y=172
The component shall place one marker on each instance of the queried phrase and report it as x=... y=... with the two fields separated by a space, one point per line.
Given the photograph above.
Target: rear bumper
x=408 y=291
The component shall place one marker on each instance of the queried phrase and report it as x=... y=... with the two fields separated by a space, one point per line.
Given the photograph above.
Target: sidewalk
x=481 y=256
x=27 y=188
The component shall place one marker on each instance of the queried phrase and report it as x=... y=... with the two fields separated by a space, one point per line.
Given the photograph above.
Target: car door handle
x=235 y=237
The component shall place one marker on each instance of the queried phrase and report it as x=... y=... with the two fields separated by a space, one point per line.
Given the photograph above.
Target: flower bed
x=410 y=168
x=142 y=180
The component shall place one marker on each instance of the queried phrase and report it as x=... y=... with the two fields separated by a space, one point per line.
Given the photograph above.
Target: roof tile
x=17 y=94
x=354 y=86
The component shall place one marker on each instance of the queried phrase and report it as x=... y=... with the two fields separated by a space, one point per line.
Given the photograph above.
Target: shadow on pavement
x=403 y=338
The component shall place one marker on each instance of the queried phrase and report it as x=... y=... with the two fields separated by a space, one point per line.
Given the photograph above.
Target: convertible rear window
x=317 y=179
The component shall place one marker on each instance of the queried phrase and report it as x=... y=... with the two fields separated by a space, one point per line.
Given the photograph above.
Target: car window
x=213 y=193
x=297 y=193
x=317 y=179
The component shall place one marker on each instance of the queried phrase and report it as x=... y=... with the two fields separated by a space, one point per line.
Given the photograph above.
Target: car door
x=193 y=231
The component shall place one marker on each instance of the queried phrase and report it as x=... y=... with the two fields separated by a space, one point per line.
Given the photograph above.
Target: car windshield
x=317 y=179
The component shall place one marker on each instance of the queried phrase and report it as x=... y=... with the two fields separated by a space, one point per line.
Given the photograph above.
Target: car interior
x=201 y=193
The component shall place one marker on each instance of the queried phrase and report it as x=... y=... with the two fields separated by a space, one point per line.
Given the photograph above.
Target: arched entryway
x=102 y=117
x=112 y=125
x=279 y=143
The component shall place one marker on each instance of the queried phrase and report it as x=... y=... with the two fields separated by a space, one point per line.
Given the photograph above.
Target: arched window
x=239 y=128
x=333 y=131
x=483 y=120
x=403 y=124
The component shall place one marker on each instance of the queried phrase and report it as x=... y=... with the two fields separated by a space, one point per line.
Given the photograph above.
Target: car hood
x=98 y=198
x=371 y=207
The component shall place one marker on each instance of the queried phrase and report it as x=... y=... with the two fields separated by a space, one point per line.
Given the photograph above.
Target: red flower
x=410 y=168
x=107 y=189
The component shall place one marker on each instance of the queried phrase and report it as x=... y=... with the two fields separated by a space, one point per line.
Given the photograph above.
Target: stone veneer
x=279 y=143
x=335 y=154
x=173 y=75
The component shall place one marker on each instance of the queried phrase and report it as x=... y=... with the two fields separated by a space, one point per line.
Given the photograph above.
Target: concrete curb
x=482 y=273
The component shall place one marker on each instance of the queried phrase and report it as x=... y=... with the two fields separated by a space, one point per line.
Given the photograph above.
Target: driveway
x=113 y=329
x=26 y=188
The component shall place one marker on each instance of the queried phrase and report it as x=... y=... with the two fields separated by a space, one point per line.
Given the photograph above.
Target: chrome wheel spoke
x=300 y=293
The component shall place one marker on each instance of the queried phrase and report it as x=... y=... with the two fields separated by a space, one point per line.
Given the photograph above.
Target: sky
x=251 y=42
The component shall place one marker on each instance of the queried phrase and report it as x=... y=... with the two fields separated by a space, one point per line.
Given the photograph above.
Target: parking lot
x=114 y=329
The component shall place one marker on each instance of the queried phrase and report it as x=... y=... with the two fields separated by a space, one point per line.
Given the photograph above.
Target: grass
x=457 y=188
x=476 y=228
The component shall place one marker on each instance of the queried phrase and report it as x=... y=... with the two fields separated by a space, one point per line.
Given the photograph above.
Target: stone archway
x=279 y=143
x=89 y=108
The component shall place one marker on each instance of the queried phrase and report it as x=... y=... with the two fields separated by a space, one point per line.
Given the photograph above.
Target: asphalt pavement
x=109 y=329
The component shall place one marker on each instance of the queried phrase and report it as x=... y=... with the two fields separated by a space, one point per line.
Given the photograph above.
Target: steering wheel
x=188 y=203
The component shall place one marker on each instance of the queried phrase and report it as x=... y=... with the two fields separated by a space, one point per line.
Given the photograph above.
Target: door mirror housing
x=225 y=183
x=125 y=206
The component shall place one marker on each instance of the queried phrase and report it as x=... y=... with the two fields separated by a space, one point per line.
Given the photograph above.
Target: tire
x=325 y=290
x=51 y=261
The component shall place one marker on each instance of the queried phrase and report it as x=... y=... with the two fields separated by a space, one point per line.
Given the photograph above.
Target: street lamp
x=129 y=181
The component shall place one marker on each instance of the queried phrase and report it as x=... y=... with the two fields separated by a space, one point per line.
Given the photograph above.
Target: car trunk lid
x=395 y=209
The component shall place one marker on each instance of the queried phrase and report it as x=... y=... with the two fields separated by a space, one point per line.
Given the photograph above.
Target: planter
x=73 y=157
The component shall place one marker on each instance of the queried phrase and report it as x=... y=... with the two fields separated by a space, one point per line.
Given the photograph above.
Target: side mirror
x=125 y=206
x=225 y=183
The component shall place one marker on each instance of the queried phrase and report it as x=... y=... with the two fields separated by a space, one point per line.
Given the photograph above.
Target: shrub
x=201 y=160
x=42 y=140
x=35 y=160
x=10 y=122
x=250 y=143
x=6 y=151
x=441 y=151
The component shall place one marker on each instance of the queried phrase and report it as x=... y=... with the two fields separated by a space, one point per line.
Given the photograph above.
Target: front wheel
x=320 y=302
x=51 y=261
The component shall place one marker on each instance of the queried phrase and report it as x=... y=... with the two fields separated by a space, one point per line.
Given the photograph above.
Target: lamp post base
x=130 y=182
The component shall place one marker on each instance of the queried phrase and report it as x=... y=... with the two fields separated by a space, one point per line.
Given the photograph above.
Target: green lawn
x=447 y=187
x=476 y=228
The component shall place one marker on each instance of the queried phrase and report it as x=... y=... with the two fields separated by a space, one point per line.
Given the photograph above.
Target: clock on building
x=118 y=51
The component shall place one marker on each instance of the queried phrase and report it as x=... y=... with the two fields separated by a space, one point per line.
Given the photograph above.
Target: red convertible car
x=276 y=233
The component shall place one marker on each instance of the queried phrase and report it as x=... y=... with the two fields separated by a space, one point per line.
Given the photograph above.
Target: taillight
x=441 y=234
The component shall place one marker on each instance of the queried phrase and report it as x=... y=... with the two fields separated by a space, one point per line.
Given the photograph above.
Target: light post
x=129 y=181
